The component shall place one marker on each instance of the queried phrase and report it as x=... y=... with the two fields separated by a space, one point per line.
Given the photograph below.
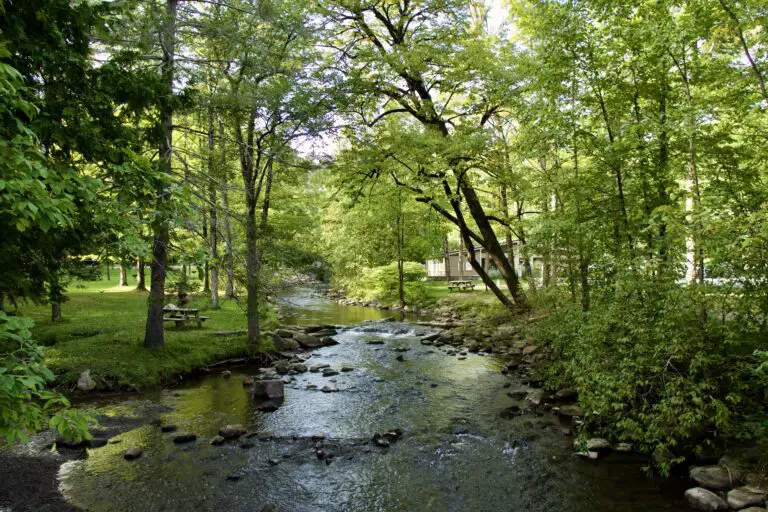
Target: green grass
x=102 y=329
x=479 y=301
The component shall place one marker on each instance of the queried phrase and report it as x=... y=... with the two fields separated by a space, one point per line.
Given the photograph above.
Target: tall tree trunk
x=400 y=243
x=583 y=260
x=663 y=163
x=213 y=241
x=154 y=336
x=507 y=231
x=446 y=258
x=109 y=265
x=56 y=297
x=206 y=267
x=229 y=259
x=617 y=171
x=141 y=284
x=252 y=266
x=546 y=267
x=123 y=280
x=461 y=258
x=267 y=195
x=693 y=248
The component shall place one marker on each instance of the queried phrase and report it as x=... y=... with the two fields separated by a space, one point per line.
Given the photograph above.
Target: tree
x=154 y=336
x=270 y=101
x=425 y=61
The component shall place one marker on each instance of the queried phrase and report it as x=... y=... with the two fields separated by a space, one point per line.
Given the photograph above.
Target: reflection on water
x=303 y=305
x=457 y=453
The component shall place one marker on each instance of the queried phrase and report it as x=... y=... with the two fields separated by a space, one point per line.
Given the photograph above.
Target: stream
x=456 y=452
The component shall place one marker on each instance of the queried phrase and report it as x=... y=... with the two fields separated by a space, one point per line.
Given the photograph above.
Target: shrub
x=654 y=366
x=25 y=404
x=381 y=283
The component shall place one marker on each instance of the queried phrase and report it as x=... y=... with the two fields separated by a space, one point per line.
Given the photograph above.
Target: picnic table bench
x=460 y=285
x=183 y=316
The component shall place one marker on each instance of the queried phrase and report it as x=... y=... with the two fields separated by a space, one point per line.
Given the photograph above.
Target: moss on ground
x=102 y=329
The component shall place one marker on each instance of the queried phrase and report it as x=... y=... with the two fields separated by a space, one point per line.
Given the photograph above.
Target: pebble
x=132 y=453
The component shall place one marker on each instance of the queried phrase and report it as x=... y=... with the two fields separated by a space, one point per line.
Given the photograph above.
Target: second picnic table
x=461 y=285
x=183 y=316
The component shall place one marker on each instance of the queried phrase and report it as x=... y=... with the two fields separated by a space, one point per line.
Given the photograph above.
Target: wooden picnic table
x=183 y=316
x=460 y=285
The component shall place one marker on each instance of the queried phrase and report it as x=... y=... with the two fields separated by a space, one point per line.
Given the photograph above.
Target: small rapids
x=456 y=452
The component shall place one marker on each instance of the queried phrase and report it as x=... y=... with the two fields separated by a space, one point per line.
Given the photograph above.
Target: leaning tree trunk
x=154 y=335
x=466 y=238
x=508 y=230
x=494 y=249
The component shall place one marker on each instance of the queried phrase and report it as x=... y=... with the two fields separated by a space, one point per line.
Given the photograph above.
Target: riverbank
x=728 y=472
x=102 y=328
x=440 y=412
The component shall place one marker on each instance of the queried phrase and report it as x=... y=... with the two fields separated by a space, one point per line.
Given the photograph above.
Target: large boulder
x=285 y=333
x=85 y=382
x=712 y=477
x=307 y=340
x=570 y=411
x=742 y=497
x=704 y=499
x=283 y=344
x=536 y=397
x=268 y=388
x=596 y=444
x=282 y=367
x=566 y=395
x=232 y=431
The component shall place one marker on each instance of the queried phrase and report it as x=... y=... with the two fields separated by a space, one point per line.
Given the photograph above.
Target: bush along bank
x=539 y=385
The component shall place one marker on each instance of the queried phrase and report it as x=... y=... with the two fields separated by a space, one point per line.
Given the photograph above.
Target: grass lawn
x=479 y=302
x=102 y=329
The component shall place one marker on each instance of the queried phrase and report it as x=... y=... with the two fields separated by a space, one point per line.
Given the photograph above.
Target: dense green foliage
x=25 y=404
x=621 y=143
x=381 y=283
x=654 y=369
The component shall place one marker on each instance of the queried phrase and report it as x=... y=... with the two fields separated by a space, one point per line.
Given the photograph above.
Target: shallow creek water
x=457 y=453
